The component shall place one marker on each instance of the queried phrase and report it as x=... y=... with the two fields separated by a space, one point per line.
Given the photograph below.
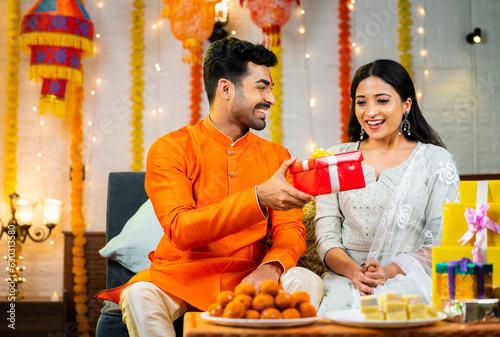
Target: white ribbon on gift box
x=334 y=173
x=482 y=197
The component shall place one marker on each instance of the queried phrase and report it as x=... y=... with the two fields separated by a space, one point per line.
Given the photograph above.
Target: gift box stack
x=329 y=174
x=466 y=268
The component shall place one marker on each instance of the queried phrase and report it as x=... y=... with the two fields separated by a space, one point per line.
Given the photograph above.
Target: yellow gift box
x=455 y=226
x=466 y=281
x=445 y=254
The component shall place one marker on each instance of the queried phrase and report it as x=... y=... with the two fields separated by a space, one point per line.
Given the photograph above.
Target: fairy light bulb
x=41 y=123
x=89 y=123
x=155 y=26
x=423 y=52
x=350 y=6
x=92 y=92
x=38 y=168
x=312 y=102
x=419 y=94
x=354 y=44
x=34 y=108
x=357 y=50
x=153 y=112
x=421 y=11
x=302 y=30
x=98 y=80
x=94 y=138
x=160 y=110
x=97 y=35
x=420 y=30
x=302 y=12
x=100 y=4
x=308 y=55
x=39 y=155
x=426 y=72
x=233 y=32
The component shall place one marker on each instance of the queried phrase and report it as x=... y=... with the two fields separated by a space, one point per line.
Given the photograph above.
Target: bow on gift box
x=462 y=263
x=478 y=224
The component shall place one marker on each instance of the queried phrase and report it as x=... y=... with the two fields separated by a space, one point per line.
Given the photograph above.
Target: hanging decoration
x=270 y=16
x=58 y=33
x=137 y=84
x=344 y=67
x=404 y=34
x=192 y=22
x=77 y=222
x=11 y=99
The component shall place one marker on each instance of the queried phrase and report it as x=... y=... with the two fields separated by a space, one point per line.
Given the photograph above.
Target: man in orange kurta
x=217 y=190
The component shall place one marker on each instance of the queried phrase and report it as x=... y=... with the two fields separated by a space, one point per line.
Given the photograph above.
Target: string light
x=233 y=32
x=100 y=4
x=302 y=30
x=354 y=44
x=421 y=30
x=421 y=11
x=153 y=112
x=92 y=92
x=34 y=108
x=350 y=6
x=302 y=12
x=41 y=123
x=89 y=123
x=39 y=154
x=97 y=35
x=98 y=80
x=155 y=26
x=423 y=52
x=419 y=94
x=94 y=138
x=312 y=102
x=357 y=50
x=38 y=168
x=426 y=72
x=51 y=242
x=307 y=55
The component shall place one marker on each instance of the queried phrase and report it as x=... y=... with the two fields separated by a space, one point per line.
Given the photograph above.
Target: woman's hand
x=380 y=274
x=363 y=282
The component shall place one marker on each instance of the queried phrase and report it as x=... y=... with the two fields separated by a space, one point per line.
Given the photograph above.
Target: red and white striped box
x=330 y=174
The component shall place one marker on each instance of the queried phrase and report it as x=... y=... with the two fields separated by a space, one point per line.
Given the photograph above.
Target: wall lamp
x=18 y=230
x=474 y=37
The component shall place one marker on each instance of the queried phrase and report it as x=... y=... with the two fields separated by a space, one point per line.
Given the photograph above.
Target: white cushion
x=140 y=236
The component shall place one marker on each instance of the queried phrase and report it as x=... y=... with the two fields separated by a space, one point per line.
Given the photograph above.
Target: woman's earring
x=405 y=124
x=362 y=134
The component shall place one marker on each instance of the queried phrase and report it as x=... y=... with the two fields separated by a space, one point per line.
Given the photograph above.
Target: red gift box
x=330 y=174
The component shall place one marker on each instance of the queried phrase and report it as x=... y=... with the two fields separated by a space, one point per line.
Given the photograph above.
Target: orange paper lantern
x=192 y=22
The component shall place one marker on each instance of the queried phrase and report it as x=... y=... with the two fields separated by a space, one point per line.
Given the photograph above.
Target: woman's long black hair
x=396 y=76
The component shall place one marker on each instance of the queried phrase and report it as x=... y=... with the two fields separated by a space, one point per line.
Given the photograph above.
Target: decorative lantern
x=192 y=22
x=271 y=15
x=59 y=34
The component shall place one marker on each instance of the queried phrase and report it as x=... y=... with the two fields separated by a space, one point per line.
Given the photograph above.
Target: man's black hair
x=228 y=58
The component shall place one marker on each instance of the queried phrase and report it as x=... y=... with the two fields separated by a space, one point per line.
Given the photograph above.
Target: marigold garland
x=344 y=67
x=404 y=34
x=137 y=84
x=77 y=222
x=12 y=96
x=196 y=91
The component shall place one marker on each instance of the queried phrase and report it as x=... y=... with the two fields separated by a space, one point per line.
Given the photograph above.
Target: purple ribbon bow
x=478 y=223
x=463 y=268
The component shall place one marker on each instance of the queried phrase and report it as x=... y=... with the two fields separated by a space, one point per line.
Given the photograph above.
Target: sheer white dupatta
x=410 y=225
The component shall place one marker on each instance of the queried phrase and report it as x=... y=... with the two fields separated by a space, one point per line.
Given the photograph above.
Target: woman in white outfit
x=380 y=238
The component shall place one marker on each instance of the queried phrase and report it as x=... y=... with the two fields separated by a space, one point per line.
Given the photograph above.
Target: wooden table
x=195 y=326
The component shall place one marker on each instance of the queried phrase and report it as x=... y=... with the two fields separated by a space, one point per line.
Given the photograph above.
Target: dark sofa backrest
x=125 y=195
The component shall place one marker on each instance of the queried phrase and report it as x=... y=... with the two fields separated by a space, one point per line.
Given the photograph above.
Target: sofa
x=125 y=201
x=126 y=194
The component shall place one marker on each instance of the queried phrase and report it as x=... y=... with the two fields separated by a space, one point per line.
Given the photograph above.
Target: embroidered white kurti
x=350 y=220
